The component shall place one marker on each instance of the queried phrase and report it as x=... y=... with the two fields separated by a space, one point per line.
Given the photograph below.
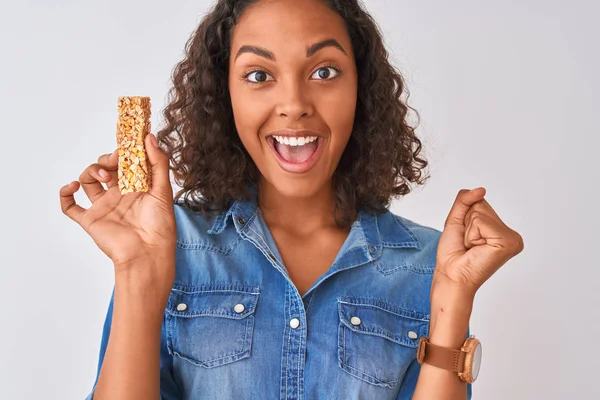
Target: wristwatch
x=465 y=361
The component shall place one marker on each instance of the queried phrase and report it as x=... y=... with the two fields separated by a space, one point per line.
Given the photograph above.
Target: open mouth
x=295 y=154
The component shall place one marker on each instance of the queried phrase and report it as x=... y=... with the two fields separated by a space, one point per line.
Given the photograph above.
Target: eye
x=259 y=76
x=325 y=73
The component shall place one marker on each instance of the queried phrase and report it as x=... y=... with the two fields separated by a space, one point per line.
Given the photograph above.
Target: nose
x=294 y=102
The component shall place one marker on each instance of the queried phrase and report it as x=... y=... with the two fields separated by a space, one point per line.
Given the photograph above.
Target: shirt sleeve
x=168 y=388
x=409 y=382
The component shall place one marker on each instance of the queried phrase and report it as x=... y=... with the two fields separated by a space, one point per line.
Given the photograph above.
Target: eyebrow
x=310 y=51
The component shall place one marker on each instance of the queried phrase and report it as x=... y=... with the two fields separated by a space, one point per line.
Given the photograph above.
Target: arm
x=130 y=365
x=475 y=243
x=450 y=314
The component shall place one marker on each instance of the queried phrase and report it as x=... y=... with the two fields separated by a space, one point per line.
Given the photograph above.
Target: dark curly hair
x=209 y=161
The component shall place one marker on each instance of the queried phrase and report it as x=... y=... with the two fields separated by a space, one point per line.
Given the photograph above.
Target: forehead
x=283 y=23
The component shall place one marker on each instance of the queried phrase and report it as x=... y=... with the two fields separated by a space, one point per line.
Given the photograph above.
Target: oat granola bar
x=133 y=125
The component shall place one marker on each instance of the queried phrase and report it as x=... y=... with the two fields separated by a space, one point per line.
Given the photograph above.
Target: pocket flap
x=227 y=301
x=383 y=319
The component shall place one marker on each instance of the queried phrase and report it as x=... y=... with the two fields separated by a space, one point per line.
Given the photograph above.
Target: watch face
x=476 y=361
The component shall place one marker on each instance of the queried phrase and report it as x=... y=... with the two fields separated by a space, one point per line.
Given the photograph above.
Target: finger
x=472 y=233
x=67 y=202
x=475 y=207
x=487 y=208
x=91 y=179
x=161 y=184
x=109 y=161
x=485 y=229
x=464 y=200
x=114 y=180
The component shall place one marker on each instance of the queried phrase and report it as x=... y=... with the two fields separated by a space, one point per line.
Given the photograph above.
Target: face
x=292 y=78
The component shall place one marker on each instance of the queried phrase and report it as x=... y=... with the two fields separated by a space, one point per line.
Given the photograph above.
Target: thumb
x=464 y=200
x=161 y=184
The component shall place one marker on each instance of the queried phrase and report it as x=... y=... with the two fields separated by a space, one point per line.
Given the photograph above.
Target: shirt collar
x=379 y=230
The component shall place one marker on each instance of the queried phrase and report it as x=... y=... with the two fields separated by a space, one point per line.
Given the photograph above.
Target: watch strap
x=441 y=357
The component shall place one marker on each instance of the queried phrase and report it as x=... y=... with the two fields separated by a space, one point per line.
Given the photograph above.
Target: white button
x=413 y=335
x=294 y=323
x=181 y=307
x=355 y=321
x=239 y=308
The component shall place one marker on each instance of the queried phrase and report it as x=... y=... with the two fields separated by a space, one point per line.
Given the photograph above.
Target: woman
x=280 y=272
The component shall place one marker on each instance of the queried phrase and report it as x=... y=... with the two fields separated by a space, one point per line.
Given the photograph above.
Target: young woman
x=279 y=272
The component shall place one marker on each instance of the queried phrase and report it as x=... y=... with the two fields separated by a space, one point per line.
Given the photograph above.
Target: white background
x=508 y=95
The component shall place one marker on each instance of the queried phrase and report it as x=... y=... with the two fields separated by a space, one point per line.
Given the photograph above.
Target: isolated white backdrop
x=508 y=94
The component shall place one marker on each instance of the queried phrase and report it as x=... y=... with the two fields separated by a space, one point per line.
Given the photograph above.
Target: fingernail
x=476 y=189
x=153 y=140
x=103 y=173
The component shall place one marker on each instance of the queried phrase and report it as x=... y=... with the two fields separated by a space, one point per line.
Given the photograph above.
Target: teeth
x=294 y=141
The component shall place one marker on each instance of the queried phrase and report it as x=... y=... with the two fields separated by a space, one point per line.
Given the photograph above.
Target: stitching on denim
x=244 y=345
x=374 y=379
x=298 y=366
x=213 y=361
x=379 y=250
x=208 y=247
x=227 y=315
x=414 y=268
x=304 y=330
x=362 y=230
x=344 y=342
x=401 y=340
x=216 y=291
x=264 y=243
x=398 y=245
x=170 y=334
x=225 y=286
x=209 y=362
x=375 y=303
x=287 y=360
x=312 y=297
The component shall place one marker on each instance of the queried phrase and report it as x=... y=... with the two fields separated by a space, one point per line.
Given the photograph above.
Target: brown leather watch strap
x=441 y=357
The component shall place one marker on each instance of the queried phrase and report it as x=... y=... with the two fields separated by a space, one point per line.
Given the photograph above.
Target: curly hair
x=213 y=168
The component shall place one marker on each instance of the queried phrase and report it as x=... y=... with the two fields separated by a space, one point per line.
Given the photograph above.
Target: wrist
x=451 y=309
x=148 y=279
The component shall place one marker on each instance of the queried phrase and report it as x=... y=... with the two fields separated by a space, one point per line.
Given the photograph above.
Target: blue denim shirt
x=235 y=326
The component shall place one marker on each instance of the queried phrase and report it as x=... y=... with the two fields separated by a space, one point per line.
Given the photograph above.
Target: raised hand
x=131 y=228
x=475 y=242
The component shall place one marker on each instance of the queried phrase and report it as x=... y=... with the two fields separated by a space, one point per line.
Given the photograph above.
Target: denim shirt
x=236 y=327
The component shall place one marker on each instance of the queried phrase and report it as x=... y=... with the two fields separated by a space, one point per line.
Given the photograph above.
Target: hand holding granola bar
x=132 y=219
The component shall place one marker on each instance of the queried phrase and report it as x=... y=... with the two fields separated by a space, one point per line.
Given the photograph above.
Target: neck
x=301 y=215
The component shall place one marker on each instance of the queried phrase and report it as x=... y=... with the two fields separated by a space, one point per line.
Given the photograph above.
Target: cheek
x=249 y=115
x=338 y=110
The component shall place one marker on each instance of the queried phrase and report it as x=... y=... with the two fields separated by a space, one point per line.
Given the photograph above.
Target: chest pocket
x=211 y=325
x=377 y=341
